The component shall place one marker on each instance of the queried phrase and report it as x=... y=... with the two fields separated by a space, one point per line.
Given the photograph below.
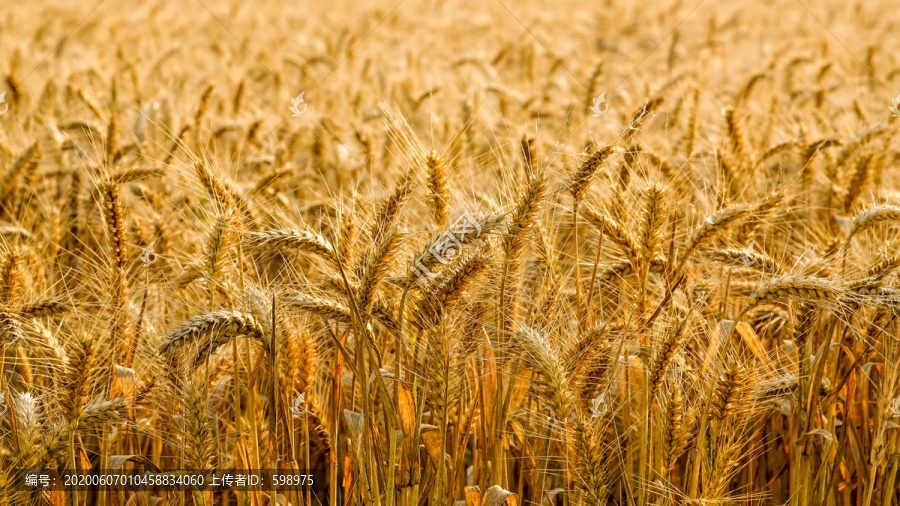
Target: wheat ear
x=583 y=177
x=288 y=238
x=665 y=352
x=208 y=331
x=616 y=232
x=871 y=217
x=436 y=171
x=321 y=307
x=443 y=292
x=711 y=226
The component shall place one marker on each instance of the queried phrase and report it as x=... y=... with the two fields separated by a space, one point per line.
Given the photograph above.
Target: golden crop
x=480 y=253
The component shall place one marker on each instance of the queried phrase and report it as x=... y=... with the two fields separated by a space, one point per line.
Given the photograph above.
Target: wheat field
x=452 y=253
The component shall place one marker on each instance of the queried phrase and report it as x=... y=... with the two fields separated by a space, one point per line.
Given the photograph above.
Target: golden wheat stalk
x=322 y=307
x=443 y=292
x=710 y=227
x=543 y=358
x=793 y=287
x=616 y=232
x=215 y=188
x=871 y=217
x=289 y=238
x=379 y=261
x=583 y=177
x=204 y=333
x=665 y=352
x=524 y=216
x=436 y=170
x=652 y=218
x=744 y=258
